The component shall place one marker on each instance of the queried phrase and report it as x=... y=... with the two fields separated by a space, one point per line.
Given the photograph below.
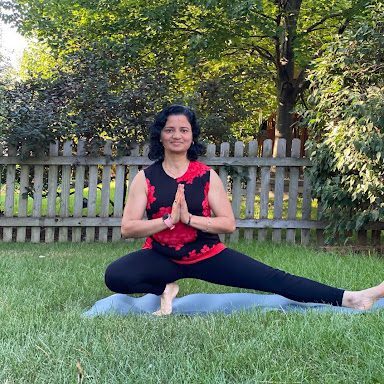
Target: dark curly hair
x=156 y=149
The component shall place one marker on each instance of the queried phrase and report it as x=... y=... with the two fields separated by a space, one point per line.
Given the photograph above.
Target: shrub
x=346 y=121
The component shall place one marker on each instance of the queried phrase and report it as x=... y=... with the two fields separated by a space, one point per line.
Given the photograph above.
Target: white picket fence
x=82 y=205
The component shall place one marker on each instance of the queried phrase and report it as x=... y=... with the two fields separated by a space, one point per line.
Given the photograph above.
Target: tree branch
x=264 y=53
x=265 y=16
x=186 y=29
x=303 y=100
x=323 y=20
x=260 y=50
x=343 y=27
x=234 y=51
x=274 y=37
x=315 y=29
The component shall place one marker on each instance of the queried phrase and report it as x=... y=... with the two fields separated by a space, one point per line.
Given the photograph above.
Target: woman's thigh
x=140 y=270
x=235 y=269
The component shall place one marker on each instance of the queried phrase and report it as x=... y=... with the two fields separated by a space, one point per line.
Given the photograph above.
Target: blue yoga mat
x=205 y=303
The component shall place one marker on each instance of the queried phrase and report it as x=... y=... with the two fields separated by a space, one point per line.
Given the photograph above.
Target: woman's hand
x=176 y=209
x=184 y=212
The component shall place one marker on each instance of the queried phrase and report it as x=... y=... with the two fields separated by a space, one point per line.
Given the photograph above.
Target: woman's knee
x=111 y=277
x=117 y=278
x=124 y=274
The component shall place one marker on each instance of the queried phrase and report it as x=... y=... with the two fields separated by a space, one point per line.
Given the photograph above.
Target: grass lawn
x=45 y=289
x=44 y=203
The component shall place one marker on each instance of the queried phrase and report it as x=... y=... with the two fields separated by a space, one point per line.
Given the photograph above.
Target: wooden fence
x=271 y=196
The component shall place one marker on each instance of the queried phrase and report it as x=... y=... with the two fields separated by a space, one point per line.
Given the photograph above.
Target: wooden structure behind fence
x=85 y=195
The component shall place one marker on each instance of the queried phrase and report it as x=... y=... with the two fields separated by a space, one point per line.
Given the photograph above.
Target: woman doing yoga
x=187 y=207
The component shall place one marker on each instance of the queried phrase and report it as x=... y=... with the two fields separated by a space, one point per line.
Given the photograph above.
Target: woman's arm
x=223 y=220
x=132 y=223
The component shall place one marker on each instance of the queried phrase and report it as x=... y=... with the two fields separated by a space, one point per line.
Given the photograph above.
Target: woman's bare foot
x=364 y=299
x=170 y=292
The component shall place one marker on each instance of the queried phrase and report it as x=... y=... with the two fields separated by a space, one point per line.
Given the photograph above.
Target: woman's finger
x=179 y=194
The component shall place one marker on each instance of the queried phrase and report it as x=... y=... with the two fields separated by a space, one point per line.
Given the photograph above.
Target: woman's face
x=176 y=136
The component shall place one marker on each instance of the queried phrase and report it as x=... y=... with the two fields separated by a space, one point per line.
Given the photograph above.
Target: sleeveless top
x=183 y=244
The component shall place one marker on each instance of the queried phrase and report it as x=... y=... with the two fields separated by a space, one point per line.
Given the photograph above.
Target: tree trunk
x=284 y=120
x=286 y=84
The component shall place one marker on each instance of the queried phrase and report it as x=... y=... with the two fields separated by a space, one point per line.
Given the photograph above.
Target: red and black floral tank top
x=183 y=244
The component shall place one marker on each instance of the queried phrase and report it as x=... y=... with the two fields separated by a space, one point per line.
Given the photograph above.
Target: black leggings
x=146 y=271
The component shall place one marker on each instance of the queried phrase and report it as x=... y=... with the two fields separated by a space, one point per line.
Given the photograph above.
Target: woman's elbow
x=232 y=226
x=127 y=231
x=124 y=232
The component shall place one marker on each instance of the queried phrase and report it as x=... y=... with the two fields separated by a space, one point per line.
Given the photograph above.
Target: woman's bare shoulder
x=139 y=181
x=214 y=177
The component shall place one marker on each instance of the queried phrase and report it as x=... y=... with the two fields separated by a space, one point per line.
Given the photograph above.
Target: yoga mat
x=205 y=303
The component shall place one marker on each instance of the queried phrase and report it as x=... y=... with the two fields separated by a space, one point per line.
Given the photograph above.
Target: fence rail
x=69 y=196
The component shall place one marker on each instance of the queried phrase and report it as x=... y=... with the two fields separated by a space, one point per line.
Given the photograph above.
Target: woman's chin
x=177 y=149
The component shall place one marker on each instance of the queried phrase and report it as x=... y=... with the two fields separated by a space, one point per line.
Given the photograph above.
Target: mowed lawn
x=44 y=339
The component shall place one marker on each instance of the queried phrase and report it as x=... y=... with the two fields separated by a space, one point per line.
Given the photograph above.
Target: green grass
x=71 y=203
x=46 y=288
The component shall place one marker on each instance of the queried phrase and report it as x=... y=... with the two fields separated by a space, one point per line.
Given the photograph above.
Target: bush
x=85 y=100
x=346 y=121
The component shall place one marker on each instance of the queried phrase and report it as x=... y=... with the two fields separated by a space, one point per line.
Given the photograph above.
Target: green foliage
x=231 y=60
x=38 y=62
x=32 y=114
x=347 y=123
x=90 y=100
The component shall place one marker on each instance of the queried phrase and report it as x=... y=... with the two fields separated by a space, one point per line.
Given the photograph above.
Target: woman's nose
x=176 y=134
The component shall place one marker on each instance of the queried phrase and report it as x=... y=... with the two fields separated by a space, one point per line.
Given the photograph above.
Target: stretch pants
x=146 y=271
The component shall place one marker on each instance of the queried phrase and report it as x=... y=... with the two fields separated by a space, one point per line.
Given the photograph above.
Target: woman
x=179 y=195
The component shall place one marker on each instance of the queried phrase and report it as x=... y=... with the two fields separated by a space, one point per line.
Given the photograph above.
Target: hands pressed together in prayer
x=180 y=210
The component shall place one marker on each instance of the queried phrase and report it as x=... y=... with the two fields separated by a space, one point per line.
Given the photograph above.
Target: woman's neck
x=175 y=161
x=175 y=166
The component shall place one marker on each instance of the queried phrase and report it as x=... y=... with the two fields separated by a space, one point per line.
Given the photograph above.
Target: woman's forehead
x=177 y=120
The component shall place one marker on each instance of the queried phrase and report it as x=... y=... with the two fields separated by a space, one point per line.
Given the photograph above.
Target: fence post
x=211 y=150
x=93 y=171
x=306 y=207
x=265 y=180
x=53 y=172
x=251 y=190
x=223 y=174
x=118 y=201
x=65 y=189
x=279 y=190
x=23 y=202
x=105 y=191
x=133 y=169
x=210 y=153
x=224 y=152
x=236 y=189
x=293 y=190
x=9 y=195
x=79 y=189
x=37 y=200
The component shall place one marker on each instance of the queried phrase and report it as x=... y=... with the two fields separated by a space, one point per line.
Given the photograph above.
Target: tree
x=255 y=46
x=347 y=124
x=276 y=38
